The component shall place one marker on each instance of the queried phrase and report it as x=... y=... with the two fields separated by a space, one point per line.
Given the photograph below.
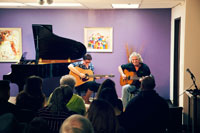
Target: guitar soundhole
x=86 y=78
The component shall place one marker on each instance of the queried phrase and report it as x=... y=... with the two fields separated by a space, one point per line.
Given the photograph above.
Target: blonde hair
x=137 y=55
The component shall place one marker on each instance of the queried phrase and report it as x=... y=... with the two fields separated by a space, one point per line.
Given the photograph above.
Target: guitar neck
x=99 y=76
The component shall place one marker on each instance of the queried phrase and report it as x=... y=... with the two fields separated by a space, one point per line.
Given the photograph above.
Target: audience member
x=107 y=91
x=106 y=83
x=22 y=115
x=110 y=95
x=31 y=97
x=56 y=112
x=76 y=103
x=8 y=124
x=147 y=112
x=6 y=107
x=102 y=116
x=38 y=125
x=76 y=124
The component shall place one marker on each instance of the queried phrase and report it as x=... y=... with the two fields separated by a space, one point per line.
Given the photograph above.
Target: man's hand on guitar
x=123 y=76
x=82 y=75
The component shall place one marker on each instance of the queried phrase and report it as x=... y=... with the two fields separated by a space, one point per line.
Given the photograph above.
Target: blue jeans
x=128 y=92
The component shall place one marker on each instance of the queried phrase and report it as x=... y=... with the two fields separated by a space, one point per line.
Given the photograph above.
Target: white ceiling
x=101 y=4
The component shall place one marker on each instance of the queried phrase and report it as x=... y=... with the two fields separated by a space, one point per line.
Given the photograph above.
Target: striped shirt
x=54 y=119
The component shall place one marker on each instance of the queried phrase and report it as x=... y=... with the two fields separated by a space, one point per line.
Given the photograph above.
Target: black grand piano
x=53 y=55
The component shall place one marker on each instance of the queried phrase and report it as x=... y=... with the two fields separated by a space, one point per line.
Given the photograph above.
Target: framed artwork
x=98 y=39
x=10 y=44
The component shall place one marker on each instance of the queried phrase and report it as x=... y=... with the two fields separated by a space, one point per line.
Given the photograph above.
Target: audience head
x=33 y=85
x=68 y=80
x=60 y=97
x=38 y=125
x=9 y=124
x=102 y=116
x=148 y=83
x=106 y=83
x=135 y=54
x=109 y=95
x=4 y=90
x=76 y=124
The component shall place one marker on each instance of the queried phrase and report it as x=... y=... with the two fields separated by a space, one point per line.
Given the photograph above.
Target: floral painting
x=98 y=39
x=10 y=44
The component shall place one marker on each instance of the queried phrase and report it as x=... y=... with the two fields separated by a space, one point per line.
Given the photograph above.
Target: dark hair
x=148 y=83
x=4 y=89
x=87 y=57
x=106 y=83
x=4 y=84
x=102 y=116
x=109 y=95
x=33 y=85
x=60 y=97
x=38 y=125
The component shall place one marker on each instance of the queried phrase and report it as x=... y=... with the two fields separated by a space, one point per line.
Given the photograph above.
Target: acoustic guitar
x=130 y=77
x=89 y=76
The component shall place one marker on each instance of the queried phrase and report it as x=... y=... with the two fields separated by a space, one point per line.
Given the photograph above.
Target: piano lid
x=52 y=47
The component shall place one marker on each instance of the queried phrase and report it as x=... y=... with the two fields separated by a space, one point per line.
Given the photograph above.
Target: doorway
x=177 y=24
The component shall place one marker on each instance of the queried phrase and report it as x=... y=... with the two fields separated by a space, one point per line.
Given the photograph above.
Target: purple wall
x=148 y=30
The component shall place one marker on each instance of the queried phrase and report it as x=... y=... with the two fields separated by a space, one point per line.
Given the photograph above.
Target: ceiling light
x=125 y=6
x=56 y=4
x=11 y=4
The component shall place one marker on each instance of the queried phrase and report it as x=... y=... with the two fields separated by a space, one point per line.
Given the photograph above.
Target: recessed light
x=125 y=6
x=55 y=4
x=11 y=4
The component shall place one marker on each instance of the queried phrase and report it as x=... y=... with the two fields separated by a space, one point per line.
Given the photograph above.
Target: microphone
x=192 y=75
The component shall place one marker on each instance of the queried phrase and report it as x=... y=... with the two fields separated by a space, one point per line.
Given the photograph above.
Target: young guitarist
x=89 y=86
x=131 y=75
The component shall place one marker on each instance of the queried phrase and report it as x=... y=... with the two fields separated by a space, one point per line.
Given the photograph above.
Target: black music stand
x=193 y=93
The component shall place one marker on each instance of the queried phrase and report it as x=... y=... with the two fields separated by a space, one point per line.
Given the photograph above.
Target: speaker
x=175 y=119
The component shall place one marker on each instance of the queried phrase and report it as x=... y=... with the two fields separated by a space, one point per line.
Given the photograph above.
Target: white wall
x=189 y=48
x=192 y=41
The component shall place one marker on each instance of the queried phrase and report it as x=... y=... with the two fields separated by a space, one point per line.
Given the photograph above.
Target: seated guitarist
x=89 y=86
x=137 y=69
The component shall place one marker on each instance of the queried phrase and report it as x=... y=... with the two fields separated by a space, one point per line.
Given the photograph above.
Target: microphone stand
x=196 y=90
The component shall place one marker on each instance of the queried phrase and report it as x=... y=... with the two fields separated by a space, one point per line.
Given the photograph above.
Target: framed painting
x=98 y=39
x=10 y=44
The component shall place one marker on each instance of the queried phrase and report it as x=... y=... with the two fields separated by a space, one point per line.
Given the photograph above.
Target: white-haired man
x=131 y=74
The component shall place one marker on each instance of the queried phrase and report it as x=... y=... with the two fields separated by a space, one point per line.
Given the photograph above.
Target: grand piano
x=53 y=55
